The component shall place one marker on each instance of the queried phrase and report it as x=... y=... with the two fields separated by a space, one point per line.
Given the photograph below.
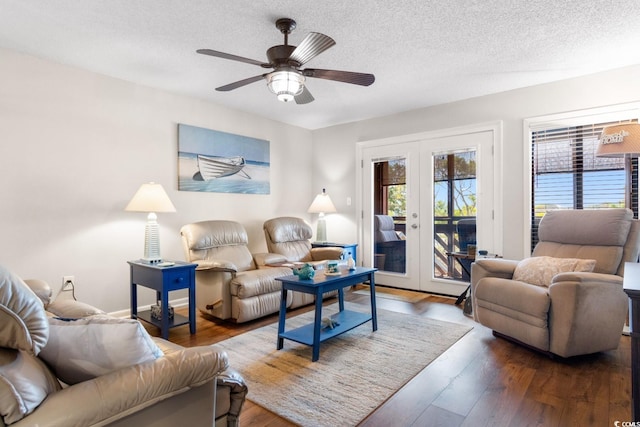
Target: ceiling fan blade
x=362 y=79
x=232 y=57
x=305 y=97
x=312 y=45
x=240 y=83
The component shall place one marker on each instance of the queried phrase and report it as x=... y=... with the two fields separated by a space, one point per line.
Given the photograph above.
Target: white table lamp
x=151 y=198
x=322 y=204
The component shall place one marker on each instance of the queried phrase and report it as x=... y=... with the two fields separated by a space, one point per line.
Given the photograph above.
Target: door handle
x=414 y=226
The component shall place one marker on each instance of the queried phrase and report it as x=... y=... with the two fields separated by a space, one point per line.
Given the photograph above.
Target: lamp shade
x=618 y=140
x=285 y=84
x=150 y=197
x=322 y=204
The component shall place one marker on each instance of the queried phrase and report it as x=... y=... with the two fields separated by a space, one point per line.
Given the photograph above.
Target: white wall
x=603 y=89
x=75 y=146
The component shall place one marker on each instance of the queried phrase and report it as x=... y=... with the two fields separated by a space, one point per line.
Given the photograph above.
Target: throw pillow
x=24 y=383
x=23 y=321
x=540 y=270
x=82 y=349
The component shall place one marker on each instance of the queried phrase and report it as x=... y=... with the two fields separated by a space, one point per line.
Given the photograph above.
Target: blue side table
x=346 y=248
x=180 y=275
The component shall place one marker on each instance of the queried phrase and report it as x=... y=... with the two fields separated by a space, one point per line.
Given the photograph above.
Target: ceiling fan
x=287 y=80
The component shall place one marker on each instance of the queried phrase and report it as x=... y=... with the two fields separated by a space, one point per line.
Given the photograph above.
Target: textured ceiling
x=422 y=52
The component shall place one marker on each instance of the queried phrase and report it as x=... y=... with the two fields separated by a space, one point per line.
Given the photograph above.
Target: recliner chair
x=466 y=230
x=552 y=302
x=289 y=236
x=388 y=243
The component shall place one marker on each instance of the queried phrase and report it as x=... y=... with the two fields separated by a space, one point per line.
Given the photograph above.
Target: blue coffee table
x=313 y=334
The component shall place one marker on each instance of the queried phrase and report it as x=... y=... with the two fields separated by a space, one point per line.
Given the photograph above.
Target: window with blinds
x=566 y=173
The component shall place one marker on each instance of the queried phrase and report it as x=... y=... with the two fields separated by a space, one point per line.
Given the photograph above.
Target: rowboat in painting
x=212 y=167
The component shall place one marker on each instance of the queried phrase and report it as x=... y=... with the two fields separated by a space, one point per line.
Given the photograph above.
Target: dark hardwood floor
x=480 y=381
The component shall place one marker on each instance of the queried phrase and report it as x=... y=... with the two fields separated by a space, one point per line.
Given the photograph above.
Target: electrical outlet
x=68 y=282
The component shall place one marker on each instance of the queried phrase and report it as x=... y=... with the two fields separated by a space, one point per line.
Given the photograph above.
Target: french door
x=404 y=179
x=397 y=258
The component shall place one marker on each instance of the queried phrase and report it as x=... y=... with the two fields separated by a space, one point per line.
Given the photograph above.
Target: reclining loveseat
x=231 y=282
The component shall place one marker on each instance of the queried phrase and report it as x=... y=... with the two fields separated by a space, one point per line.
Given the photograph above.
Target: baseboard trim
x=126 y=314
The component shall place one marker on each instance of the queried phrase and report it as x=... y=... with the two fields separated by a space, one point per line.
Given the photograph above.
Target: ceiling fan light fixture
x=285 y=84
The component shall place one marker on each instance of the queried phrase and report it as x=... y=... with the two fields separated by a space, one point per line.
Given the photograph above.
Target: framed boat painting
x=220 y=162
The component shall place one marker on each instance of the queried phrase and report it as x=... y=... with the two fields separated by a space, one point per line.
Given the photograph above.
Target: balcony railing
x=446 y=241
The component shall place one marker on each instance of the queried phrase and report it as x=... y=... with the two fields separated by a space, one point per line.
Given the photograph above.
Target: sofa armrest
x=266 y=259
x=62 y=307
x=110 y=397
x=325 y=253
x=215 y=265
x=237 y=392
x=587 y=313
x=41 y=289
x=587 y=277
x=72 y=309
x=492 y=267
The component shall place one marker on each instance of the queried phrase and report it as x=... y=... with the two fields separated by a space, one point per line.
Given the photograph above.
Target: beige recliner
x=289 y=236
x=124 y=385
x=231 y=282
x=552 y=301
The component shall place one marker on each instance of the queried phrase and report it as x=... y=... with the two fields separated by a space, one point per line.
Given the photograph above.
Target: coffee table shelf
x=347 y=320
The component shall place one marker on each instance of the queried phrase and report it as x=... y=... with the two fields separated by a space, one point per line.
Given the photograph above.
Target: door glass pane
x=454 y=189
x=390 y=214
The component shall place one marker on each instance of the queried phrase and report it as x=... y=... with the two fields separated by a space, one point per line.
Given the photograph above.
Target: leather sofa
x=567 y=299
x=231 y=282
x=43 y=341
